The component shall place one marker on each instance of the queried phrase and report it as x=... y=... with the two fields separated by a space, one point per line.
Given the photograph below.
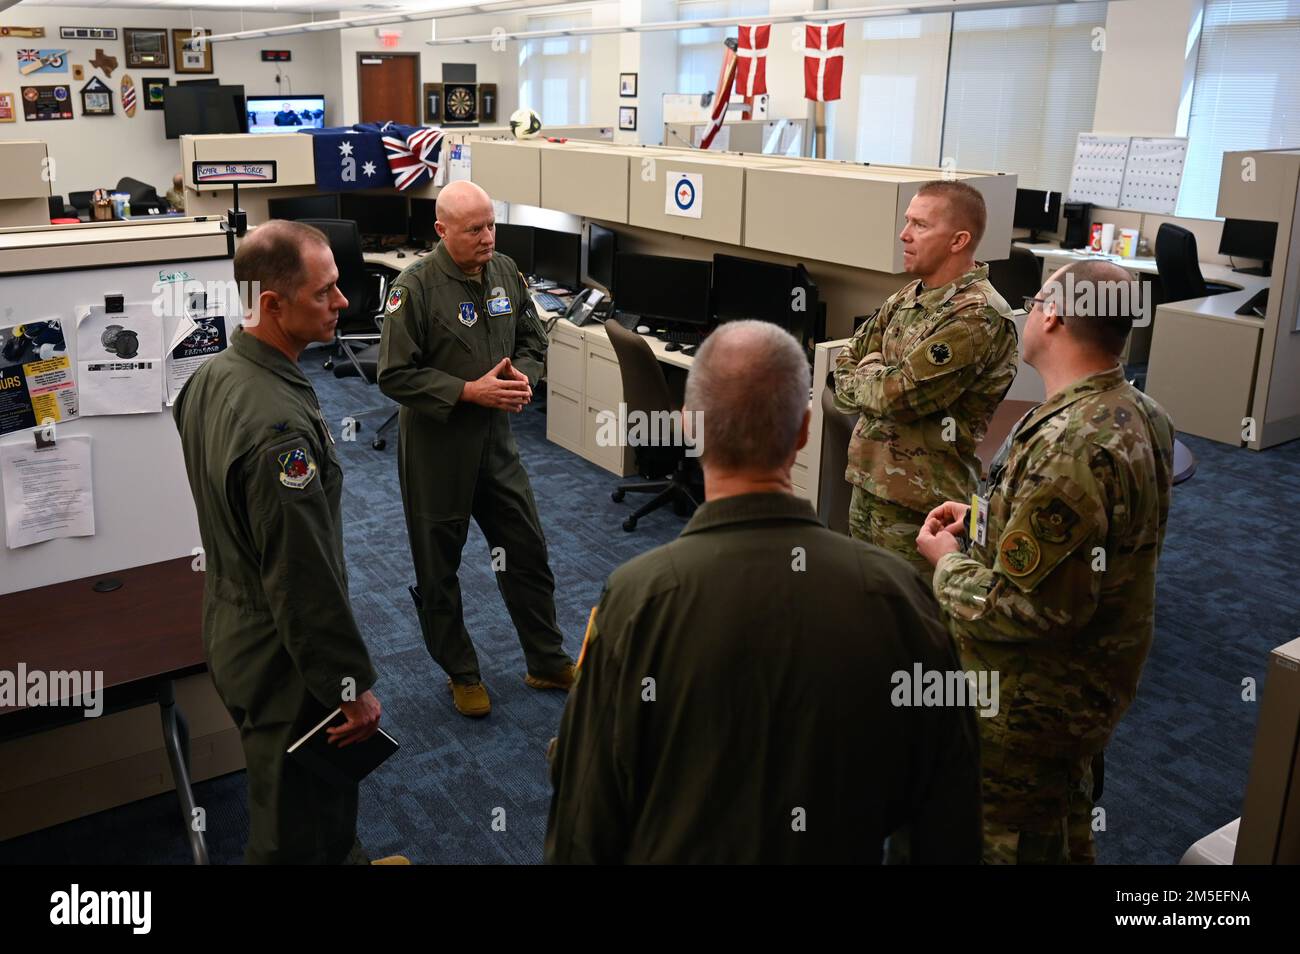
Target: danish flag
x=413 y=155
x=823 y=61
x=751 y=72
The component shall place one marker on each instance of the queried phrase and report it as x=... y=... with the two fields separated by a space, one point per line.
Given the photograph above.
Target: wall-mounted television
x=280 y=114
x=204 y=110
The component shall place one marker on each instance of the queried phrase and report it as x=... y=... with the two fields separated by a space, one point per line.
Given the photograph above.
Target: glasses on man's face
x=1030 y=301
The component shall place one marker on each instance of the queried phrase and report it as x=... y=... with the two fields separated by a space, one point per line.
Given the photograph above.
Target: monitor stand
x=1264 y=271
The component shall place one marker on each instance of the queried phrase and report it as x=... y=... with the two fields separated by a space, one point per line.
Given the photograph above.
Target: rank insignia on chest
x=467 y=314
x=499 y=306
x=297 y=469
x=939 y=353
x=1019 y=552
x=395 y=299
x=1054 y=522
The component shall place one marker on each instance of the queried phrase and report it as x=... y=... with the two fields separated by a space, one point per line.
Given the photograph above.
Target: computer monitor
x=424 y=213
x=323 y=206
x=664 y=291
x=1248 y=238
x=1037 y=210
x=557 y=256
x=287 y=113
x=746 y=288
x=203 y=110
x=602 y=246
x=516 y=241
x=386 y=216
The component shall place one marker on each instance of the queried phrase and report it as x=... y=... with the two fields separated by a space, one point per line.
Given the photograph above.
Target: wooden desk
x=142 y=636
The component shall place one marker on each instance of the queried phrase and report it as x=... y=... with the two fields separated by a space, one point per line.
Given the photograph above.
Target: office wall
x=1148 y=67
x=94 y=151
x=497 y=63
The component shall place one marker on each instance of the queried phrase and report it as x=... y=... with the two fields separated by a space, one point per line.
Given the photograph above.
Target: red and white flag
x=721 y=96
x=412 y=155
x=751 y=70
x=823 y=61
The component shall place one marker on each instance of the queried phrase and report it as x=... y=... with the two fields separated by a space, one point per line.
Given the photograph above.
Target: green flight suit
x=458 y=460
x=278 y=631
x=1060 y=600
x=737 y=703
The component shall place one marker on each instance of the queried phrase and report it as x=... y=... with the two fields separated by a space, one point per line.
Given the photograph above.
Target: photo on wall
x=155 y=89
x=191 y=50
x=627 y=118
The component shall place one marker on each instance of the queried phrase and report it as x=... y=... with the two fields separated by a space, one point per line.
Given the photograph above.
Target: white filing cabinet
x=583 y=381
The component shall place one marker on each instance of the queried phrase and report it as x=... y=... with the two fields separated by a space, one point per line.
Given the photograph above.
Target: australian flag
x=413 y=151
x=349 y=158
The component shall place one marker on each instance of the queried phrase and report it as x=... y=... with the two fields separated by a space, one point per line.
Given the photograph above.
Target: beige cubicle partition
x=721 y=197
x=585 y=179
x=25 y=184
x=509 y=171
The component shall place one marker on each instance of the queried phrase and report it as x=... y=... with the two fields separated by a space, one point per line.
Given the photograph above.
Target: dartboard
x=460 y=103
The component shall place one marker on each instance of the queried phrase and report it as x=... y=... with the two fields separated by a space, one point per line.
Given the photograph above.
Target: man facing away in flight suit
x=278 y=632
x=463 y=349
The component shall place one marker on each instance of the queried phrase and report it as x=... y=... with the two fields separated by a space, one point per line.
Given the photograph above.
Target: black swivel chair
x=144 y=197
x=1179 y=266
x=358 y=332
x=663 y=470
x=1017 y=277
x=82 y=201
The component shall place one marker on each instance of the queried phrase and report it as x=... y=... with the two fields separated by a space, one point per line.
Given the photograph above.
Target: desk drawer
x=563 y=416
x=616 y=459
x=564 y=360
x=604 y=381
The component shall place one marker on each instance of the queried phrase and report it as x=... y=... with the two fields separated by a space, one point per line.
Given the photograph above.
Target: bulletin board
x=1098 y=173
x=1153 y=174
x=142 y=505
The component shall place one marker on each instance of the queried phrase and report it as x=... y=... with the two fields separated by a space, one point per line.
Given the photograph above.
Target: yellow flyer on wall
x=36 y=380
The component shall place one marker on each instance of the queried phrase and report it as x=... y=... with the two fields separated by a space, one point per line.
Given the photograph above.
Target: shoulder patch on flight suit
x=467 y=314
x=939 y=353
x=297 y=469
x=395 y=299
x=499 y=306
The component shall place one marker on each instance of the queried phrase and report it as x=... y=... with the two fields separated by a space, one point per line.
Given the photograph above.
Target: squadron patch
x=1019 y=552
x=499 y=306
x=467 y=314
x=1053 y=522
x=939 y=354
x=395 y=299
x=297 y=469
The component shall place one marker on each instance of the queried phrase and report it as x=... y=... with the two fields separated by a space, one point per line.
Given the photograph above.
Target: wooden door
x=389 y=87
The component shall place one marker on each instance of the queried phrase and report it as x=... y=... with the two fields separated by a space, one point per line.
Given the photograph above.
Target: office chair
x=663 y=470
x=82 y=201
x=144 y=198
x=358 y=332
x=60 y=211
x=833 y=491
x=1017 y=277
x=1180 y=267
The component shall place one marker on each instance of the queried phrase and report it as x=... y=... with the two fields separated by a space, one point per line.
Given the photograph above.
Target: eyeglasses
x=1030 y=301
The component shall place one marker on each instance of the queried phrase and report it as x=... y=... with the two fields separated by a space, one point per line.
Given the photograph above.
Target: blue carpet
x=1175 y=771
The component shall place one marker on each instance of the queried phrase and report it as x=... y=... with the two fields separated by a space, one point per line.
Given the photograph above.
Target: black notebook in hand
x=343 y=766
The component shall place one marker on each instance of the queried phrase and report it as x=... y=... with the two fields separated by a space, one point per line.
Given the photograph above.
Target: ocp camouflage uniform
x=940 y=361
x=1060 y=602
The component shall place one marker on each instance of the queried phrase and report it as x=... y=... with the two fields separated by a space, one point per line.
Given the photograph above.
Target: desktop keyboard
x=687 y=339
x=550 y=302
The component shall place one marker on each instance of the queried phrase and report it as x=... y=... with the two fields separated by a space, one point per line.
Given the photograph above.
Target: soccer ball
x=525 y=123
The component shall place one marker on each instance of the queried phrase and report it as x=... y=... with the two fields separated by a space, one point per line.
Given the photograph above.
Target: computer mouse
x=672 y=346
x=643 y=329
x=401 y=255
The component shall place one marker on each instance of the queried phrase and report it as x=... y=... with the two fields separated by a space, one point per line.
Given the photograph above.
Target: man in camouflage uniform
x=1057 y=592
x=926 y=373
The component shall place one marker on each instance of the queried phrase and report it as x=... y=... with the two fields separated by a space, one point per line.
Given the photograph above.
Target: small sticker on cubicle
x=211 y=172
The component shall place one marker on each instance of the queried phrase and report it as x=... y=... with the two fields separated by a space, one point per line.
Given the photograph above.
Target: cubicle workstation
x=838 y=221
x=122 y=593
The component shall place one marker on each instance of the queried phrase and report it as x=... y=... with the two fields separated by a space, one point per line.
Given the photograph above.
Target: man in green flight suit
x=926 y=373
x=278 y=633
x=463 y=349
x=1057 y=591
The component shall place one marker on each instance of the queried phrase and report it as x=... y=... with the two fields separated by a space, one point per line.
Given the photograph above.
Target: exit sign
x=276 y=56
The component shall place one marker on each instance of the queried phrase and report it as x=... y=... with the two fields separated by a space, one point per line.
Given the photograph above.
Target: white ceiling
x=328 y=8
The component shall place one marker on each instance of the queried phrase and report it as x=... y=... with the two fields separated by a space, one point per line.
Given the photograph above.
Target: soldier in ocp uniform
x=926 y=373
x=1057 y=591
x=278 y=633
x=462 y=349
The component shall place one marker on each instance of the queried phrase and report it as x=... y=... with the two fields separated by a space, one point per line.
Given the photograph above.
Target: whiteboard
x=1153 y=174
x=1098 y=172
x=143 y=509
